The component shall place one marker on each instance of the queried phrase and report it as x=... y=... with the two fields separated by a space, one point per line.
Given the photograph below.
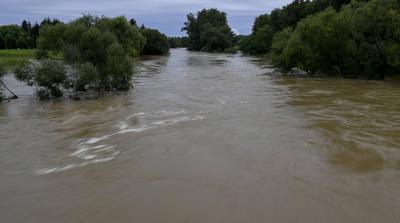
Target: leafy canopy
x=208 y=30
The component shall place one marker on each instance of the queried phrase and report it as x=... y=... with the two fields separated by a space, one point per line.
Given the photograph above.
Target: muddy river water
x=205 y=138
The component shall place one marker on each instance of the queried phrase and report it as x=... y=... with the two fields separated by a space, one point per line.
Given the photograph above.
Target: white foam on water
x=90 y=153
x=136 y=114
x=45 y=171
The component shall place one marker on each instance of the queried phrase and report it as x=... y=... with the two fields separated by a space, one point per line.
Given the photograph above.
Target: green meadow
x=12 y=58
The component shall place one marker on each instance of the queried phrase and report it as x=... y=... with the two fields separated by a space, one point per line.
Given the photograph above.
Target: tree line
x=359 y=39
x=22 y=36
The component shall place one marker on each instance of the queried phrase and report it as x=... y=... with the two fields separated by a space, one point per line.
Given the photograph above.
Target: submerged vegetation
x=105 y=44
x=95 y=53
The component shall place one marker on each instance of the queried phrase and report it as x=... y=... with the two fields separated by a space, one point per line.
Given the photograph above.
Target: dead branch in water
x=14 y=95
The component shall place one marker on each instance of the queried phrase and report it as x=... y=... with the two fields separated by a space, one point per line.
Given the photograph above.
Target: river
x=205 y=138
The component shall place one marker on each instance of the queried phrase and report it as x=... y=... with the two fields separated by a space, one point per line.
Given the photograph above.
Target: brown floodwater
x=205 y=138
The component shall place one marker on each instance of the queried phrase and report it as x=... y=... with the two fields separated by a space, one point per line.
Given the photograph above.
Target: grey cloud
x=166 y=15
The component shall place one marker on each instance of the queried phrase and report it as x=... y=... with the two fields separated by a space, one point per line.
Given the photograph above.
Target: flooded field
x=205 y=138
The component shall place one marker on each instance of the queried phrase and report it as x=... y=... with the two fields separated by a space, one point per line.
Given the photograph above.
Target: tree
x=267 y=25
x=34 y=35
x=48 y=21
x=208 y=30
x=360 y=41
x=119 y=67
x=22 y=42
x=9 y=35
x=98 y=48
x=88 y=77
x=133 y=23
x=49 y=76
x=156 y=42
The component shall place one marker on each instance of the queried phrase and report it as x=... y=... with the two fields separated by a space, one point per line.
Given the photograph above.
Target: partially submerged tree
x=267 y=25
x=156 y=42
x=360 y=41
x=98 y=49
x=259 y=42
x=49 y=78
x=208 y=30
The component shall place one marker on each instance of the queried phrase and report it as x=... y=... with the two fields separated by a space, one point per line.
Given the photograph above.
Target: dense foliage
x=100 y=42
x=48 y=77
x=356 y=40
x=360 y=41
x=23 y=36
x=267 y=25
x=178 y=42
x=156 y=42
x=208 y=31
x=12 y=37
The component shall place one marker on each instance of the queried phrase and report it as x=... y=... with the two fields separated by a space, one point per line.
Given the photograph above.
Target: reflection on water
x=205 y=138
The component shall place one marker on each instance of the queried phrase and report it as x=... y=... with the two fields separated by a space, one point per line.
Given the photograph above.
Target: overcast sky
x=165 y=15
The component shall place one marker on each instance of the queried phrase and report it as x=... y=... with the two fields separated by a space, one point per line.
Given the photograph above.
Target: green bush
x=49 y=77
x=119 y=68
x=98 y=47
x=281 y=58
x=41 y=54
x=25 y=73
x=88 y=78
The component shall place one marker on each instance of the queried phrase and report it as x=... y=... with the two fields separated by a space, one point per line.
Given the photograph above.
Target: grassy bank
x=12 y=58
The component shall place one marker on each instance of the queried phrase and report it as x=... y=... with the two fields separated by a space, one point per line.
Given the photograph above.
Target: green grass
x=13 y=58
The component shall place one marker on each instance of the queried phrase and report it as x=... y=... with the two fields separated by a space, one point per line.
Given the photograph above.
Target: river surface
x=205 y=138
